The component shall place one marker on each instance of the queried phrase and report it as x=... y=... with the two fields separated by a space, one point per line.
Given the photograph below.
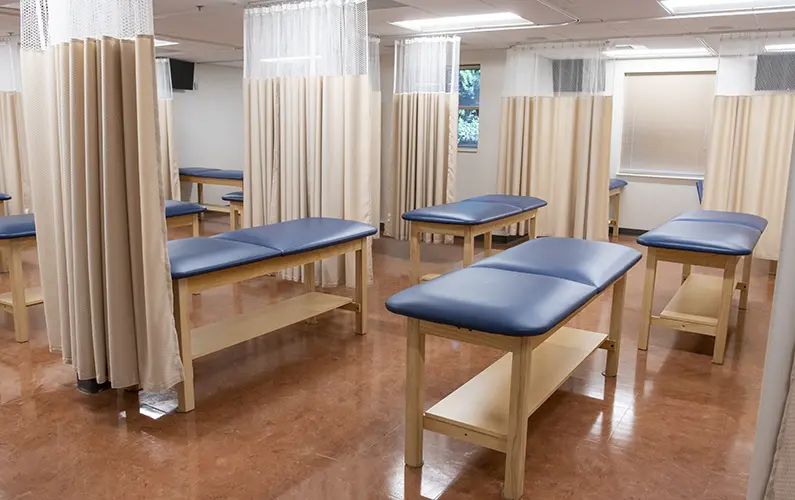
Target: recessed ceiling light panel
x=645 y=53
x=479 y=21
x=780 y=47
x=683 y=7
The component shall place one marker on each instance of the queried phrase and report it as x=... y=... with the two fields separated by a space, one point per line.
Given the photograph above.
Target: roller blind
x=666 y=123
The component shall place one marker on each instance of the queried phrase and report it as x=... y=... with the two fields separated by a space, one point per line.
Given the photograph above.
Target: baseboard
x=626 y=231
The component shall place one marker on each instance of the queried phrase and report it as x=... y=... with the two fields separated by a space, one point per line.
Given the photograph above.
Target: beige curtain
x=748 y=160
x=425 y=145
x=308 y=154
x=375 y=159
x=14 y=178
x=169 y=165
x=558 y=149
x=93 y=151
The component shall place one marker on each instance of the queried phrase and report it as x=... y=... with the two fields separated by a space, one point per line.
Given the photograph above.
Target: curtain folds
x=555 y=137
x=169 y=165
x=14 y=179
x=425 y=128
x=308 y=129
x=374 y=73
x=90 y=115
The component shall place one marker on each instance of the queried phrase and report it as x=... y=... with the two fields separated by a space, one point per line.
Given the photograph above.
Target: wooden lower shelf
x=33 y=296
x=481 y=404
x=217 y=208
x=222 y=334
x=697 y=301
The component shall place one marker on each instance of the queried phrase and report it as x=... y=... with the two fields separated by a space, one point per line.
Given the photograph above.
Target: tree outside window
x=468 y=107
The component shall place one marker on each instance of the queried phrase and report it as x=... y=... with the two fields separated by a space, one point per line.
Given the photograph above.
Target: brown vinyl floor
x=316 y=412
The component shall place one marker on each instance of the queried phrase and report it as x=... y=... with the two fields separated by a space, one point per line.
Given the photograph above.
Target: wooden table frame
x=488 y=412
x=614 y=209
x=207 y=339
x=201 y=181
x=469 y=233
x=183 y=221
x=235 y=215
x=703 y=303
x=17 y=301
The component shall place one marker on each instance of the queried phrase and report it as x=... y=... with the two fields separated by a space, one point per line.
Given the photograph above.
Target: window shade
x=666 y=123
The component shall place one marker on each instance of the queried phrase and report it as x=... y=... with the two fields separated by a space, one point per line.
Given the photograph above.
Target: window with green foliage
x=468 y=106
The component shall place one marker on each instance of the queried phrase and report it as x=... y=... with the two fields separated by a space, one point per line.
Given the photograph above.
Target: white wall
x=647 y=202
x=208 y=124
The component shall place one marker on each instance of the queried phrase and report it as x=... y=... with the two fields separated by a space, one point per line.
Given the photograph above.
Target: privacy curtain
x=752 y=129
x=14 y=178
x=773 y=462
x=169 y=166
x=88 y=70
x=425 y=128
x=555 y=131
x=308 y=130
x=374 y=71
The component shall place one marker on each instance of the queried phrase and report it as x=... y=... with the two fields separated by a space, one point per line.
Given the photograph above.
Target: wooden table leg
x=200 y=196
x=648 y=299
x=185 y=394
x=531 y=227
x=469 y=247
x=414 y=253
x=616 y=317
x=746 y=282
x=309 y=284
x=686 y=270
x=361 y=288
x=415 y=392
x=18 y=303
x=3 y=250
x=195 y=224
x=487 y=244
x=617 y=214
x=722 y=328
x=516 y=446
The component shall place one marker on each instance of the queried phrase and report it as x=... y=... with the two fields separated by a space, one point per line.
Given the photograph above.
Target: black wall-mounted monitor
x=181 y=74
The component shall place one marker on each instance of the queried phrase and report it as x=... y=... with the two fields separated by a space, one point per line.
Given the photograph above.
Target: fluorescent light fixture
x=498 y=20
x=678 y=7
x=780 y=47
x=645 y=53
x=289 y=59
x=164 y=43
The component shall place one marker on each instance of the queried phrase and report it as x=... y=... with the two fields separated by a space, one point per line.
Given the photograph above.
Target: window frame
x=663 y=173
x=469 y=149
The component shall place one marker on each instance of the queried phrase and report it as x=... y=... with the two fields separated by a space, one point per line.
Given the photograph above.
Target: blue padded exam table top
x=5 y=197
x=195 y=256
x=617 y=183
x=236 y=196
x=524 y=291
x=708 y=231
x=17 y=226
x=175 y=208
x=212 y=173
x=478 y=210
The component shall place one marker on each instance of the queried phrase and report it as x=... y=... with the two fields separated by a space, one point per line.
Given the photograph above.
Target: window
x=468 y=107
x=666 y=123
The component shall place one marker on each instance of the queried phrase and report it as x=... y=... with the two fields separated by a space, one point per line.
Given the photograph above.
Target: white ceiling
x=215 y=33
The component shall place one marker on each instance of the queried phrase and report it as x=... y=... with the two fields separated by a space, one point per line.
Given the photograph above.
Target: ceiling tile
x=589 y=10
x=719 y=23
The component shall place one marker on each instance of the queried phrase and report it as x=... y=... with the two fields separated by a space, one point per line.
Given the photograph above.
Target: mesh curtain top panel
x=88 y=71
x=169 y=164
x=308 y=130
x=425 y=115
x=750 y=145
x=555 y=130
x=14 y=179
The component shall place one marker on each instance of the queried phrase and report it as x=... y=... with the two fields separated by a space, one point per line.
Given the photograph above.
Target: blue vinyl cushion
x=175 y=208
x=592 y=263
x=703 y=236
x=212 y=173
x=507 y=296
x=17 y=226
x=478 y=210
x=301 y=235
x=700 y=191
x=236 y=196
x=617 y=183
x=195 y=256
x=5 y=197
x=748 y=220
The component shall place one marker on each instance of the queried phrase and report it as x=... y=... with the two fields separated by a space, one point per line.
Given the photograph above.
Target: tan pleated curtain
x=751 y=139
x=374 y=73
x=169 y=165
x=308 y=130
x=88 y=71
x=14 y=179
x=555 y=137
x=425 y=128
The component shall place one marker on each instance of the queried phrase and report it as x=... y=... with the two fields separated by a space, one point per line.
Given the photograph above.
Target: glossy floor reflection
x=316 y=412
